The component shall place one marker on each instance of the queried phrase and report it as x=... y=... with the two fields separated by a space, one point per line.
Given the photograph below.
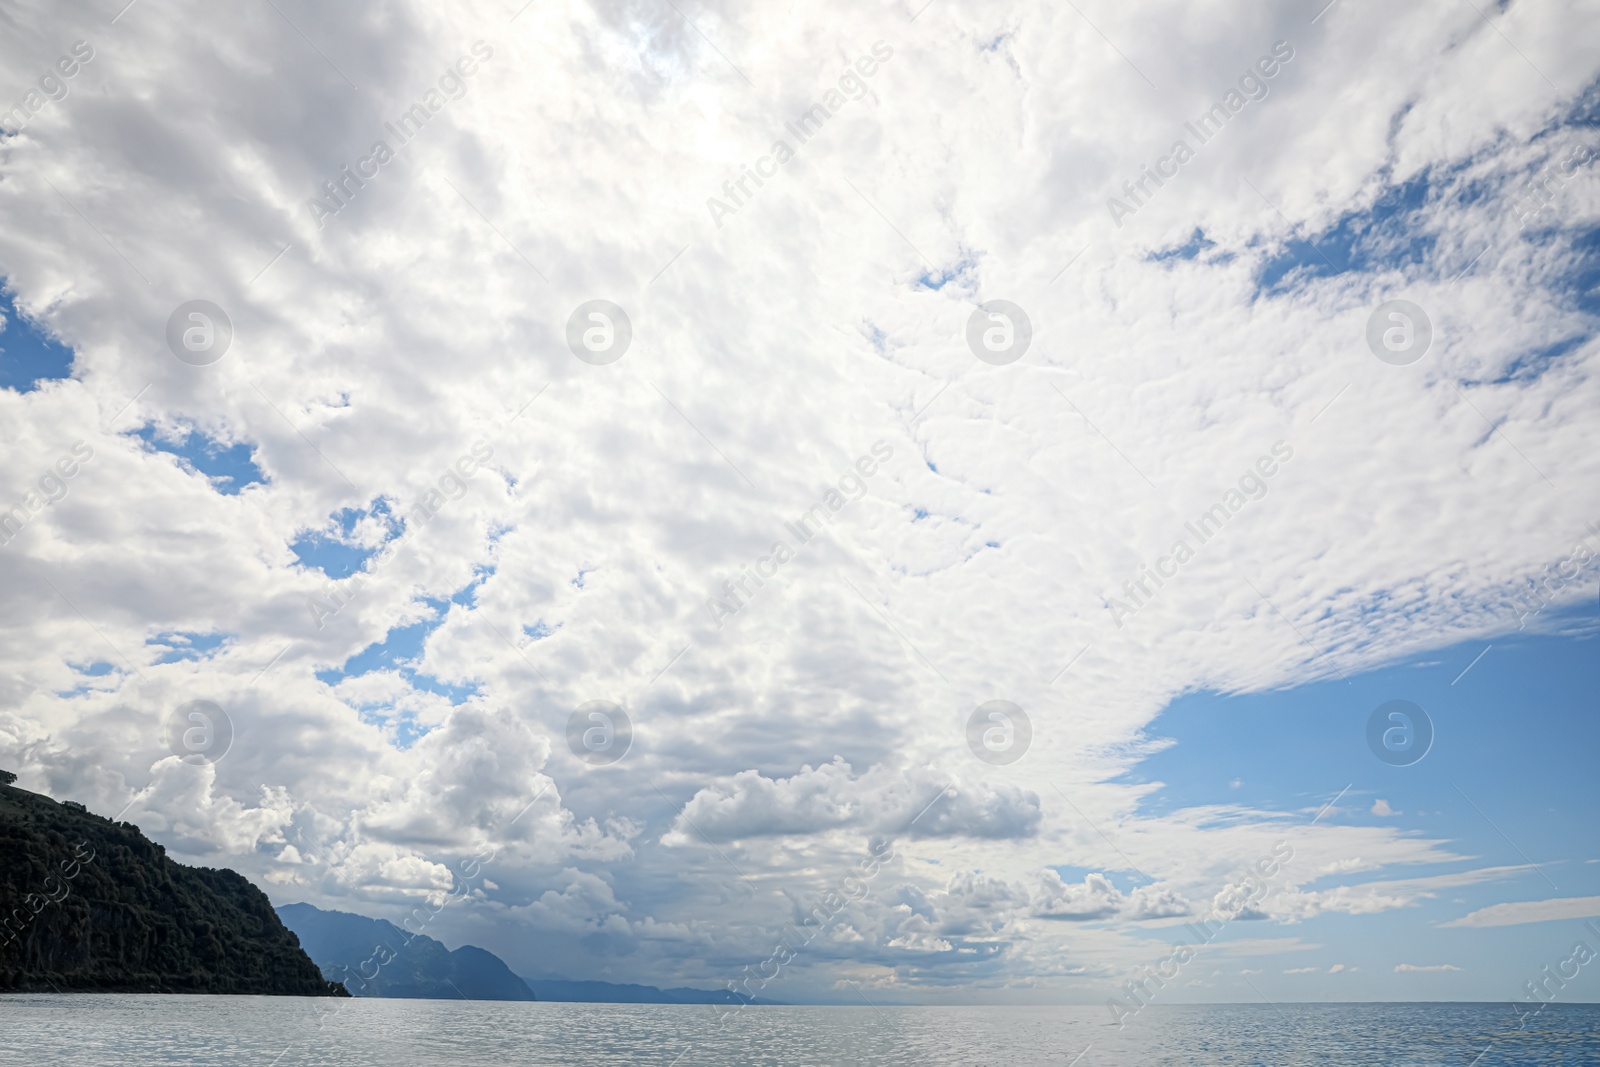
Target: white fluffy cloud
x=1096 y=898
x=919 y=803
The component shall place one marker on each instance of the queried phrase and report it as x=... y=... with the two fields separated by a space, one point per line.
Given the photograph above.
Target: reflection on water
x=80 y=1031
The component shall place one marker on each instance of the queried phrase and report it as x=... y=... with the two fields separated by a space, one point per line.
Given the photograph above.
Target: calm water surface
x=77 y=1031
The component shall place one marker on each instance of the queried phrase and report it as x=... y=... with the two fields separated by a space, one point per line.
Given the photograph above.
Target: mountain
x=559 y=989
x=87 y=904
x=374 y=958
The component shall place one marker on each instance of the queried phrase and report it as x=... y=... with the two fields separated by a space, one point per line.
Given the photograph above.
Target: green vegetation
x=87 y=904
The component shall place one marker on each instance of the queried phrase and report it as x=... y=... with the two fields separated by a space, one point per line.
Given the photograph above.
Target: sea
x=102 y=1030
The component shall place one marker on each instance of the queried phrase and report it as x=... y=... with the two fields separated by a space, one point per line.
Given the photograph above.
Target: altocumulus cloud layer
x=399 y=387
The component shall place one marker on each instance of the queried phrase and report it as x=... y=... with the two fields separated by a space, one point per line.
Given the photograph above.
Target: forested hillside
x=89 y=904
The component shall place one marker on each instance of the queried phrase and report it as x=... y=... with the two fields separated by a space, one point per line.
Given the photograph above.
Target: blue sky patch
x=455 y=694
x=1584 y=284
x=336 y=559
x=939 y=277
x=184 y=645
x=1124 y=878
x=1382 y=237
x=401 y=645
x=399 y=651
x=28 y=354
x=97 y=669
x=1530 y=365
x=1526 y=706
x=331 y=549
x=467 y=595
x=1198 y=242
x=229 y=468
x=407 y=731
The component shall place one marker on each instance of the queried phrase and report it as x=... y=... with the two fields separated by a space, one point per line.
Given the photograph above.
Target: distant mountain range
x=91 y=905
x=375 y=958
x=560 y=989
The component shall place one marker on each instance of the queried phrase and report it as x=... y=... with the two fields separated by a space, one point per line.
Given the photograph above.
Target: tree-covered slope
x=91 y=905
x=374 y=958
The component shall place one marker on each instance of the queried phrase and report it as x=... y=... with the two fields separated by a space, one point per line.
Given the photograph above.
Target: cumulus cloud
x=1096 y=898
x=1431 y=968
x=183 y=804
x=920 y=802
x=1156 y=902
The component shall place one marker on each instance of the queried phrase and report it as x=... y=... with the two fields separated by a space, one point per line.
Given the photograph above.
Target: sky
x=934 y=501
